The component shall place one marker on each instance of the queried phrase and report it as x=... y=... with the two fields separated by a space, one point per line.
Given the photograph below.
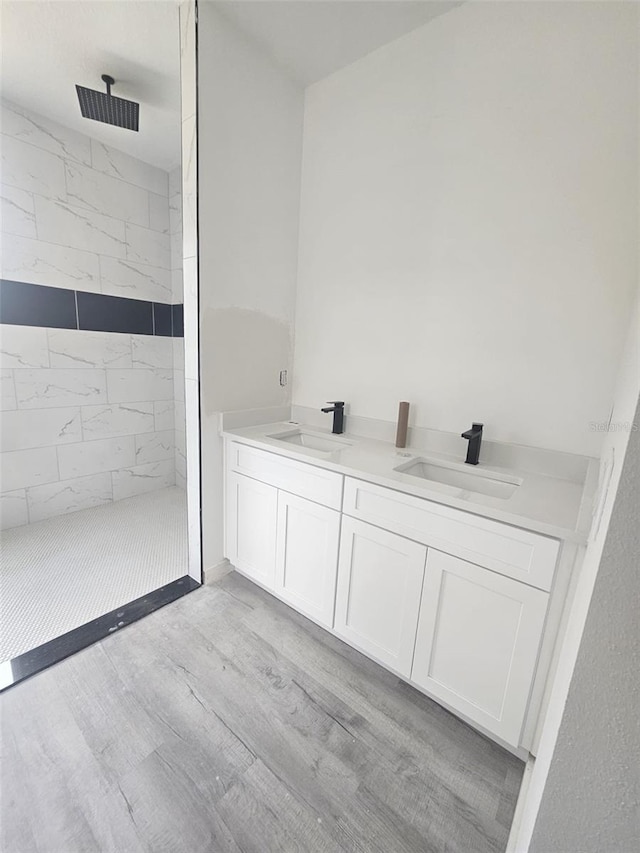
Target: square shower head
x=105 y=107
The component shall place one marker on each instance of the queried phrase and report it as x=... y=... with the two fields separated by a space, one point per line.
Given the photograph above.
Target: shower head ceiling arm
x=109 y=81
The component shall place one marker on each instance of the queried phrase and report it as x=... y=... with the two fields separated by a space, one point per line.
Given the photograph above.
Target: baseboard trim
x=514 y=842
x=217 y=572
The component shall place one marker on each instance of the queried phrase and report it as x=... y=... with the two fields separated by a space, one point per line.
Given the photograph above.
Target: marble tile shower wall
x=88 y=417
x=81 y=215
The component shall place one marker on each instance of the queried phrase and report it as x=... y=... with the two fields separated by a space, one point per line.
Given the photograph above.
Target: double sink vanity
x=454 y=577
x=493 y=484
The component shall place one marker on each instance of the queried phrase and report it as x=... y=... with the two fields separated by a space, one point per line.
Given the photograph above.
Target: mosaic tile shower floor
x=60 y=573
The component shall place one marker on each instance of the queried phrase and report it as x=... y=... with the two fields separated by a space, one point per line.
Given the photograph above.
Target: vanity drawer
x=511 y=551
x=298 y=478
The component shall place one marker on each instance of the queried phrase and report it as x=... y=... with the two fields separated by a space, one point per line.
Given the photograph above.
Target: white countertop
x=549 y=505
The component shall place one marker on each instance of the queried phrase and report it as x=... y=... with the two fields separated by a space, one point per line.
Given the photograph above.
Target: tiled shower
x=91 y=338
x=92 y=439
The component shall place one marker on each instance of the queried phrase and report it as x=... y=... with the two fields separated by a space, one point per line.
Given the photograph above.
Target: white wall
x=87 y=417
x=583 y=794
x=469 y=223
x=249 y=136
x=592 y=800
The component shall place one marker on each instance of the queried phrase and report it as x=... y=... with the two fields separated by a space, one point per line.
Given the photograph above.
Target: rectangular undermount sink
x=483 y=483
x=302 y=438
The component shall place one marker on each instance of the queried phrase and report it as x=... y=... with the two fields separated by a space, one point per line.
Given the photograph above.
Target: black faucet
x=474 y=437
x=337 y=407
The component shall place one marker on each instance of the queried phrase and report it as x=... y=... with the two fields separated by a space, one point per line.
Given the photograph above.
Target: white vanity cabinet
x=251 y=524
x=477 y=642
x=307 y=556
x=380 y=578
x=512 y=551
x=282 y=523
x=451 y=601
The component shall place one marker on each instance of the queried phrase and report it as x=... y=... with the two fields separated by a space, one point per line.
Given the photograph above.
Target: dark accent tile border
x=161 y=319
x=24 y=304
x=100 y=313
x=177 y=321
x=35 y=305
x=35 y=660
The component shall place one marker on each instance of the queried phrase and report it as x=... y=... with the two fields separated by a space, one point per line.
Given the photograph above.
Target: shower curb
x=23 y=666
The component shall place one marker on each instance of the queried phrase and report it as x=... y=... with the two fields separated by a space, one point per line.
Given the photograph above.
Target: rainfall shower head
x=105 y=107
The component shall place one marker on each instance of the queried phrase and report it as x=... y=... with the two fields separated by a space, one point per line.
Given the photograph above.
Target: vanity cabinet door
x=307 y=556
x=380 y=578
x=477 y=642
x=251 y=517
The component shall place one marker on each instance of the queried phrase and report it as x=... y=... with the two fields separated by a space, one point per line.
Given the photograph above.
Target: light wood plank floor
x=227 y=722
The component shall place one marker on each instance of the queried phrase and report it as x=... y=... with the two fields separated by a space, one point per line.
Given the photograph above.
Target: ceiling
x=48 y=47
x=313 y=38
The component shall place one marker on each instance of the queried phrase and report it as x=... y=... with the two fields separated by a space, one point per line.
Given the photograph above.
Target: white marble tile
x=126 y=386
x=148 y=247
x=158 y=213
x=178 y=386
x=176 y=250
x=177 y=294
x=181 y=465
x=122 y=277
x=191 y=318
x=180 y=440
x=47 y=388
x=150 y=351
x=181 y=481
x=189 y=188
x=142 y=478
x=69 y=225
x=44 y=133
x=180 y=454
x=37 y=262
x=121 y=165
x=23 y=346
x=180 y=416
x=178 y=353
x=192 y=424
x=175 y=181
x=74 y=349
x=164 y=414
x=193 y=474
x=68 y=496
x=114 y=420
x=96 y=191
x=31 y=169
x=22 y=468
x=175 y=213
x=188 y=57
x=40 y=428
x=13 y=509
x=175 y=204
x=176 y=232
x=17 y=214
x=154 y=446
x=94 y=457
x=7 y=390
